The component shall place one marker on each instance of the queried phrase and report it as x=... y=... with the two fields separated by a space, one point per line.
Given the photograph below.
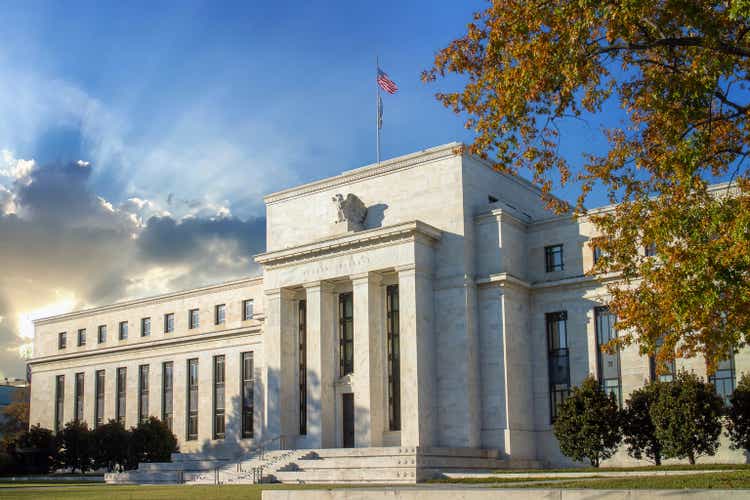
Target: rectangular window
x=143 y=392
x=724 y=378
x=101 y=334
x=394 y=358
x=123 y=330
x=346 y=334
x=99 y=391
x=219 y=397
x=192 y=399
x=193 y=318
x=667 y=374
x=608 y=364
x=81 y=337
x=78 y=402
x=649 y=250
x=248 y=397
x=553 y=258
x=247 y=310
x=167 y=400
x=302 y=321
x=145 y=327
x=122 y=376
x=220 y=315
x=559 y=359
x=169 y=323
x=62 y=340
x=59 y=402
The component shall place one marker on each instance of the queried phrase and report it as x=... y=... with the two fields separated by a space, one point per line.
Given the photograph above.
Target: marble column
x=368 y=377
x=416 y=298
x=321 y=365
x=280 y=346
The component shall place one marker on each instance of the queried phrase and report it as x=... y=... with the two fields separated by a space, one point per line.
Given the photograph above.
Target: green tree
x=153 y=441
x=588 y=423
x=687 y=417
x=113 y=445
x=76 y=447
x=678 y=70
x=14 y=418
x=638 y=429
x=36 y=449
x=738 y=415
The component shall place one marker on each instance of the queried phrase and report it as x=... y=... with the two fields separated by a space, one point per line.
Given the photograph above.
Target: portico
x=340 y=285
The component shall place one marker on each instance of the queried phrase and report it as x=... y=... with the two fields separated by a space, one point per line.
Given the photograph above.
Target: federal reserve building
x=423 y=314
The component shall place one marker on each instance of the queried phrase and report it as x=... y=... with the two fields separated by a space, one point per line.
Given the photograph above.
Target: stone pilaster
x=368 y=378
x=279 y=341
x=321 y=365
x=417 y=365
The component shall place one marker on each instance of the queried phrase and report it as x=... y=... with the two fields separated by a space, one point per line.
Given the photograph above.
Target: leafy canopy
x=678 y=69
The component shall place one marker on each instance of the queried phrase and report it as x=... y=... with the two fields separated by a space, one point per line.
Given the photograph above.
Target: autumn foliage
x=678 y=70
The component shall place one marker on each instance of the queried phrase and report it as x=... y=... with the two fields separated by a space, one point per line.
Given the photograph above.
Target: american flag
x=386 y=83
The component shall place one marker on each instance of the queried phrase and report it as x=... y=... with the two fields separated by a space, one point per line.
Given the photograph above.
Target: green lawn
x=41 y=491
x=645 y=468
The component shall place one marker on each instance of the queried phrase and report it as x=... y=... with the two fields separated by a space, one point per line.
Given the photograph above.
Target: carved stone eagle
x=350 y=210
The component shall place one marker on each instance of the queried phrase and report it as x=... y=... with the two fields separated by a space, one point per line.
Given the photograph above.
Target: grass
x=44 y=491
x=717 y=480
x=642 y=468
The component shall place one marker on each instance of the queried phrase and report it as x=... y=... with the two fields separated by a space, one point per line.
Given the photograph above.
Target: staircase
x=385 y=465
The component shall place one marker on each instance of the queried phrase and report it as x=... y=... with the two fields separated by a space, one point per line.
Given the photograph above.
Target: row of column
x=368 y=379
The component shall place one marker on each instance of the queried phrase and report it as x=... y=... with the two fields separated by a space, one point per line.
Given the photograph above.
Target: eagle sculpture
x=350 y=210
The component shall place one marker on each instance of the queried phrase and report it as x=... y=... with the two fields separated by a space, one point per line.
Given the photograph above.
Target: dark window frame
x=59 y=403
x=122 y=330
x=146 y=326
x=604 y=319
x=101 y=334
x=81 y=337
x=671 y=365
x=550 y=252
x=144 y=392
x=393 y=357
x=79 y=390
x=168 y=322
x=302 y=368
x=557 y=352
x=245 y=304
x=724 y=379
x=220 y=314
x=649 y=250
x=62 y=341
x=192 y=400
x=167 y=393
x=121 y=394
x=247 y=386
x=194 y=321
x=346 y=334
x=219 y=397
x=99 y=381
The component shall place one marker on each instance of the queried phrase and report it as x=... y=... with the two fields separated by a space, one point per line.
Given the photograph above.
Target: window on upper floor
x=81 y=337
x=194 y=318
x=247 y=310
x=553 y=258
x=558 y=358
x=649 y=250
x=169 y=323
x=145 y=327
x=667 y=372
x=220 y=314
x=101 y=334
x=723 y=378
x=62 y=340
x=608 y=364
x=123 y=330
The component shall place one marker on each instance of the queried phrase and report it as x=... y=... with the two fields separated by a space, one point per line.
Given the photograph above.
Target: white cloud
x=15 y=168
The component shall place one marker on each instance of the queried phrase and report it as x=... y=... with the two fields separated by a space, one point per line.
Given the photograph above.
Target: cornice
x=157 y=299
x=153 y=344
x=501 y=215
x=373 y=170
x=370 y=238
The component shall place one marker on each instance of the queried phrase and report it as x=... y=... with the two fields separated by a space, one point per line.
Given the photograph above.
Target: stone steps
x=350 y=475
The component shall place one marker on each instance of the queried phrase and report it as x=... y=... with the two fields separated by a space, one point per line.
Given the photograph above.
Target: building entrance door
x=347 y=401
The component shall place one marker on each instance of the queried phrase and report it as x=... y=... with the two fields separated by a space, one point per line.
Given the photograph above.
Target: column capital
x=412 y=270
x=278 y=292
x=368 y=277
x=323 y=285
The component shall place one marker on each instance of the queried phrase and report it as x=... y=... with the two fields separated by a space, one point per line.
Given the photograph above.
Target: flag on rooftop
x=386 y=83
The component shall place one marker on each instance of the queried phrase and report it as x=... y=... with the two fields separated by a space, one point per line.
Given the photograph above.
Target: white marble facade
x=465 y=246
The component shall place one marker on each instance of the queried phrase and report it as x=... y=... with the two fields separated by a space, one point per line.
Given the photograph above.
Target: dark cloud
x=66 y=241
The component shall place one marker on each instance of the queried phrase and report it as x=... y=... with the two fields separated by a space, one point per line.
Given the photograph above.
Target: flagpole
x=377 y=108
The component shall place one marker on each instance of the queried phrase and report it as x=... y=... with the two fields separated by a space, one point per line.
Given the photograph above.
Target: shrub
x=686 y=417
x=588 y=424
x=153 y=441
x=638 y=429
x=36 y=450
x=113 y=446
x=738 y=415
x=76 y=447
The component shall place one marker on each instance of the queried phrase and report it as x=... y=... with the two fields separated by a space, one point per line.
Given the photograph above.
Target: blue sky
x=128 y=126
